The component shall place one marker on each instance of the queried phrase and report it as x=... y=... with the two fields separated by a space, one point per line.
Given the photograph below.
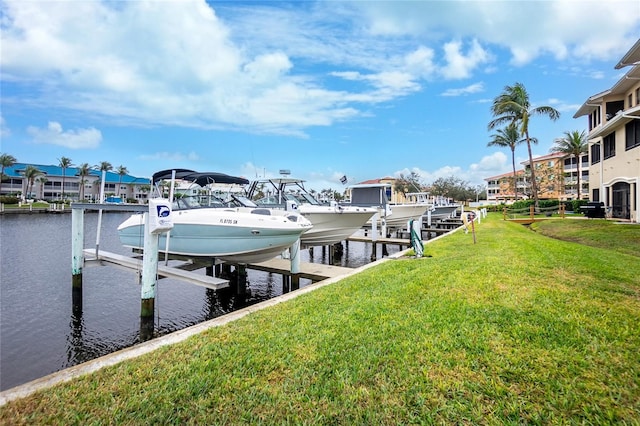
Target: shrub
x=9 y=199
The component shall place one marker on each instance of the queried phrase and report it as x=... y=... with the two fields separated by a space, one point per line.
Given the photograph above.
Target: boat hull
x=442 y=212
x=230 y=235
x=399 y=215
x=332 y=224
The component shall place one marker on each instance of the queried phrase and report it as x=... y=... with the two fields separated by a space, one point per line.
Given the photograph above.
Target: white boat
x=332 y=223
x=390 y=215
x=204 y=226
x=442 y=209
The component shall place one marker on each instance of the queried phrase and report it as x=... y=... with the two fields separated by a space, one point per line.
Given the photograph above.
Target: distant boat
x=206 y=226
x=391 y=215
x=332 y=222
x=442 y=209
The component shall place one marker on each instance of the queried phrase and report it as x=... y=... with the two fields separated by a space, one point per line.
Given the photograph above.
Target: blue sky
x=365 y=89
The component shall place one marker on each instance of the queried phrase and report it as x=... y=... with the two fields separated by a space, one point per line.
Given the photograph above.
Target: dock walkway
x=164 y=271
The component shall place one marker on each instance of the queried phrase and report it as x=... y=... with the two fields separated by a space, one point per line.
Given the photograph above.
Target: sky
x=324 y=89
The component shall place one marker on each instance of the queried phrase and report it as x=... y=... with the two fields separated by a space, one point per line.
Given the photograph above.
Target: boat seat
x=265 y=212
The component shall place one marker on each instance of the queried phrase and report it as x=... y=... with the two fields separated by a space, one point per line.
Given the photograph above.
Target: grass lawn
x=519 y=328
x=595 y=233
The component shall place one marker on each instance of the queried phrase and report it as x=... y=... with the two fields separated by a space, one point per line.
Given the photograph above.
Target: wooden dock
x=178 y=272
x=380 y=240
x=312 y=271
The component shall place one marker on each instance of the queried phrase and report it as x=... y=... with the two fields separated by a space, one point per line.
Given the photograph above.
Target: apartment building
x=556 y=175
x=500 y=187
x=614 y=141
x=48 y=185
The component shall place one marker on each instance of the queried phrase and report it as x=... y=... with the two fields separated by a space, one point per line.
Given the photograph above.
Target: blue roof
x=50 y=170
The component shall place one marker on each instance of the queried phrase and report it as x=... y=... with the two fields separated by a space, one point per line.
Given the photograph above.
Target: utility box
x=160 y=217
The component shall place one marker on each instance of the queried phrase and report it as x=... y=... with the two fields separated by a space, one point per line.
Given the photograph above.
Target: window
x=612 y=108
x=595 y=195
x=609 y=145
x=632 y=134
x=638 y=96
x=630 y=100
x=594 y=119
x=595 y=153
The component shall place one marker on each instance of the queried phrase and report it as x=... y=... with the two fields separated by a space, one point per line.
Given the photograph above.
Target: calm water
x=39 y=333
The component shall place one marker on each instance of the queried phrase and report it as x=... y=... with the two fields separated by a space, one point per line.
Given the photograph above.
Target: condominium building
x=500 y=187
x=556 y=177
x=48 y=185
x=614 y=141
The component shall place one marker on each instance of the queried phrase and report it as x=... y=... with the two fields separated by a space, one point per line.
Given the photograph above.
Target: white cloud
x=53 y=134
x=214 y=66
x=527 y=29
x=473 y=88
x=460 y=65
x=490 y=165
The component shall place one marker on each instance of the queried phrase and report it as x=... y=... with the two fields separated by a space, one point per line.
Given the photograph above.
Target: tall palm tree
x=6 y=160
x=30 y=174
x=122 y=171
x=509 y=137
x=573 y=143
x=84 y=170
x=513 y=106
x=64 y=163
x=42 y=180
x=104 y=166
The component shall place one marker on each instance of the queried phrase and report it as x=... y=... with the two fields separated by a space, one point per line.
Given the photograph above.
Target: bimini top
x=200 y=178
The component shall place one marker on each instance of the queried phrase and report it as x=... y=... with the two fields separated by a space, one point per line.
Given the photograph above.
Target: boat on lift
x=332 y=222
x=207 y=226
x=391 y=215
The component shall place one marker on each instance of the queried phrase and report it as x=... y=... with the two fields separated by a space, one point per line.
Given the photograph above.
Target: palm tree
x=509 y=137
x=513 y=106
x=6 y=160
x=30 y=173
x=573 y=143
x=122 y=171
x=83 y=171
x=104 y=166
x=64 y=163
x=42 y=180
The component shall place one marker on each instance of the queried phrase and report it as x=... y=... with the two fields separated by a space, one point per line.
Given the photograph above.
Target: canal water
x=39 y=331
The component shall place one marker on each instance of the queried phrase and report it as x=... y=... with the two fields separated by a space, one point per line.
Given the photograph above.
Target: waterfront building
x=556 y=176
x=614 y=141
x=48 y=185
x=500 y=187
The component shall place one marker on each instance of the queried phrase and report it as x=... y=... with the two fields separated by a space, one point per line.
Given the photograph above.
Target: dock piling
x=77 y=256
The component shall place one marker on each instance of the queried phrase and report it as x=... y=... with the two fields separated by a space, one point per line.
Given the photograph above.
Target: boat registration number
x=229 y=221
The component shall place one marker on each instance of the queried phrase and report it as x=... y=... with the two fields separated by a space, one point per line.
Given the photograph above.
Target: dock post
x=295 y=265
x=374 y=236
x=241 y=277
x=149 y=274
x=77 y=256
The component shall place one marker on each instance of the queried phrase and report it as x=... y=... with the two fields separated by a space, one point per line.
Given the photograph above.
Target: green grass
x=621 y=237
x=516 y=329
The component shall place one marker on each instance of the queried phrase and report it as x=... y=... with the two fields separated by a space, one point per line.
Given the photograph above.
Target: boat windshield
x=198 y=202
